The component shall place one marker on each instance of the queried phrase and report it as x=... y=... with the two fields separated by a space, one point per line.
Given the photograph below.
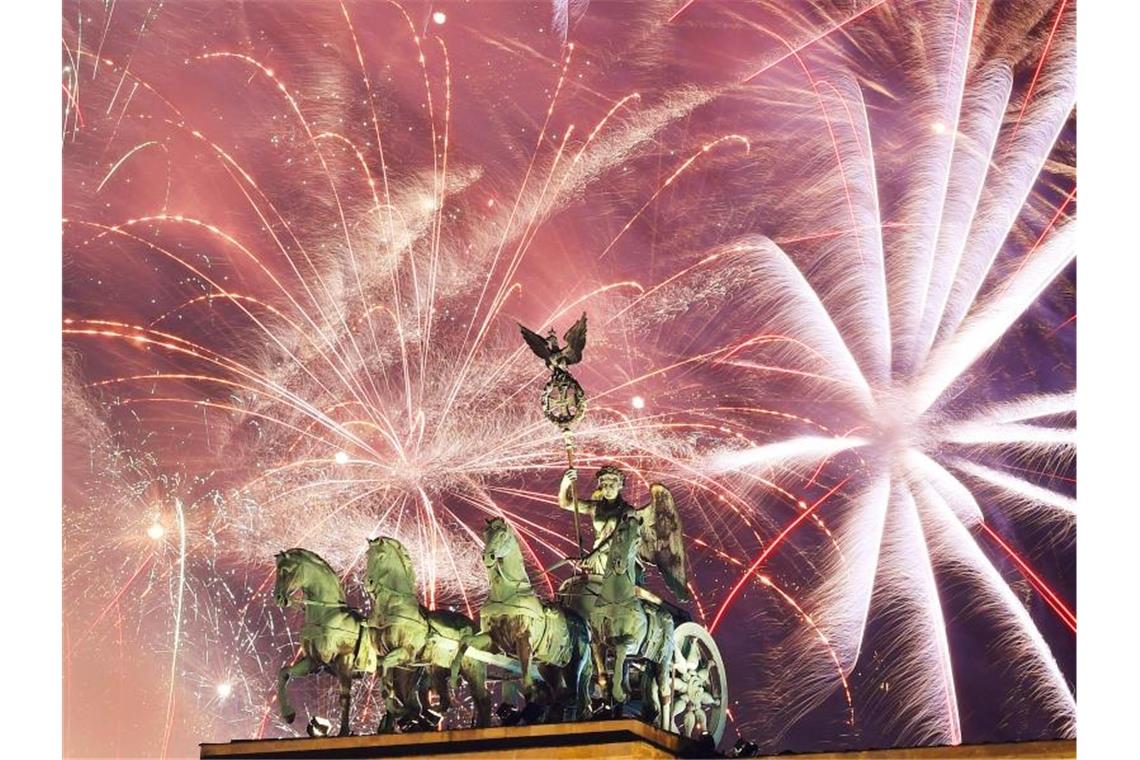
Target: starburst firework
x=295 y=259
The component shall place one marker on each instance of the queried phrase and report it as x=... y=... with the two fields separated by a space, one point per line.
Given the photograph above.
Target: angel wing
x=662 y=542
x=575 y=339
x=536 y=342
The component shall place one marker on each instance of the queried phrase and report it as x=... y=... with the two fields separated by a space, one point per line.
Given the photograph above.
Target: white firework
x=894 y=316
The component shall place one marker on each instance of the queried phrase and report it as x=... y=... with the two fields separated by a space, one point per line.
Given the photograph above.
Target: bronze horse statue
x=334 y=636
x=411 y=639
x=514 y=621
x=622 y=624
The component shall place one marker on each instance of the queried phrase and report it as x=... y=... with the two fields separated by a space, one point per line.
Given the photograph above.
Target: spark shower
x=828 y=255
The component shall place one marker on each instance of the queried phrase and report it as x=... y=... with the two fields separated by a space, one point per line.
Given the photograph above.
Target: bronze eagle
x=558 y=357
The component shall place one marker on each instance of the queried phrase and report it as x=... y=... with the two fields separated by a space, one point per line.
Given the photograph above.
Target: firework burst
x=297 y=240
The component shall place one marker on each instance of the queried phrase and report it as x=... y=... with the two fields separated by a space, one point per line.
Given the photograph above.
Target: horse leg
x=422 y=691
x=302 y=667
x=414 y=696
x=665 y=683
x=650 y=693
x=439 y=679
x=345 y=703
x=396 y=692
x=524 y=662
x=555 y=694
x=480 y=641
x=620 y=688
x=652 y=682
x=443 y=688
x=583 y=673
x=387 y=690
x=388 y=722
x=475 y=673
x=598 y=655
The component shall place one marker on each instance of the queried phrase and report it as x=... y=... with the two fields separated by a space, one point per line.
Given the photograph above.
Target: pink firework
x=827 y=258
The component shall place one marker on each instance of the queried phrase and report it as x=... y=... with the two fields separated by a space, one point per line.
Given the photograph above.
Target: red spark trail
x=1040 y=64
x=74 y=102
x=126 y=585
x=768 y=550
x=812 y=41
x=1051 y=598
x=1054 y=331
x=1042 y=473
x=831 y=134
x=766 y=581
x=680 y=10
x=835 y=146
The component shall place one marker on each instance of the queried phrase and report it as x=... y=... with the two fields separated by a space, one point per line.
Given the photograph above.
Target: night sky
x=826 y=253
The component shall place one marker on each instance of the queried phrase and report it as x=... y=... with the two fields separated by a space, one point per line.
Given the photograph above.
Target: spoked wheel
x=700 y=685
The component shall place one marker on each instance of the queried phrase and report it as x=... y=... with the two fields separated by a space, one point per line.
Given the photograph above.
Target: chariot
x=699 y=680
x=699 y=683
x=673 y=674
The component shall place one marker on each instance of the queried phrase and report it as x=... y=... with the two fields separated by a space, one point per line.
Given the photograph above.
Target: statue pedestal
x=611 y=739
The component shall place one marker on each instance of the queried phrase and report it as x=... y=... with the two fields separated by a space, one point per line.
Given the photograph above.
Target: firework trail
x=898 y=308
x=297 y=240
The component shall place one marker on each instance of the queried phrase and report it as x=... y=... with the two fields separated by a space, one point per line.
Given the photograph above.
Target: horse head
x=498 y=541
x=624 y=545
x=289 y=577
x=302 y=570
x=389 y=567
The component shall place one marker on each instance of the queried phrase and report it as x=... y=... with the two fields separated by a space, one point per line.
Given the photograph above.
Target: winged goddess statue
x=661 y=531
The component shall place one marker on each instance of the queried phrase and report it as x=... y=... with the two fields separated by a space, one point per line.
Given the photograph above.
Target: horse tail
x=584 y=649
x=583 y=634
x=361 y=631
x=460 y=659
x=584 y=672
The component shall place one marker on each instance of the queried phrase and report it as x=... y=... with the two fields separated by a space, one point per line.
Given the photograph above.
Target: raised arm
x=566 y=494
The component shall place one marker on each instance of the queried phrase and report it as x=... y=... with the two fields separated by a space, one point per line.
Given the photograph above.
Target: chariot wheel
x=700 y=685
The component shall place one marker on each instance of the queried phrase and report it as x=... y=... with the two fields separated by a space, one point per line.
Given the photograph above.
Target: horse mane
x=409 y=577
x=310 y=555
x=510 y=532
x=320 y=562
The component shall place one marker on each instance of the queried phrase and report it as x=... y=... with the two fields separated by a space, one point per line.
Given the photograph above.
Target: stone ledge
x=619 y=739
x=611 y=739
x=1046 y=750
